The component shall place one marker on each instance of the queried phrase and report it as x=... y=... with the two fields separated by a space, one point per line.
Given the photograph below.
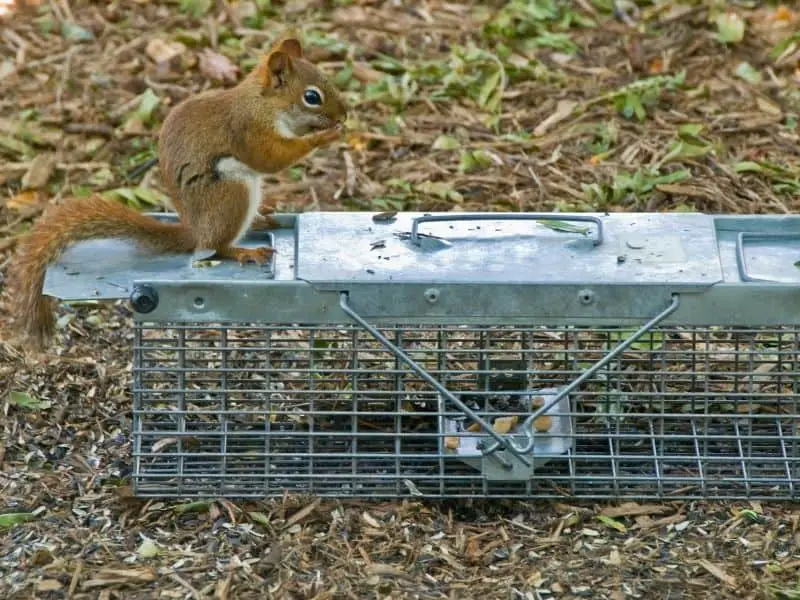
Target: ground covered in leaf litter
x=511 y=106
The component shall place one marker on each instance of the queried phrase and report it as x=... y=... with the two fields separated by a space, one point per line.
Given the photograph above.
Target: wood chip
x=718 y=572
x=302 y=513
x=630 y=509
x=40 y=171
x=563 y=111
x=49 y=585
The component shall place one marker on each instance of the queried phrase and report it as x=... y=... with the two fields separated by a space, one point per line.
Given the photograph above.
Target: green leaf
x=682 y=150
x=101 y=177
x=196 y=8
x=148 y=103
x=564 y=226
x=149 y=196
x=446 y=142
x=23 y=400
x=148 y=549
x=76 y=33
x=10 y=519
x=467 y=162
x=14 y=146
x=94 y=320
x=747 y=166
x=730 y=27
x=747 y=72
x=608 y=521
x=786 y=46
x=200 y=506
x=691 y=130
x=260 y=518
x=488 y=88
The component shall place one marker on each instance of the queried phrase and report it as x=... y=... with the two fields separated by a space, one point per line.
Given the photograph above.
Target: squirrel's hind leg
x=219 y=224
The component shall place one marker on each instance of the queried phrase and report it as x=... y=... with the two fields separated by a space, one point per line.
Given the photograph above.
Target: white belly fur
x=234 y=170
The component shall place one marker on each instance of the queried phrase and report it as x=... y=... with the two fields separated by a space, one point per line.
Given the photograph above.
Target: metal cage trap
x=466 y=355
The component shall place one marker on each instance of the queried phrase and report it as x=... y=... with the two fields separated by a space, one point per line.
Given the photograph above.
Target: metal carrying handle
x=506 y=217
x=527 y=426
x=740 y=258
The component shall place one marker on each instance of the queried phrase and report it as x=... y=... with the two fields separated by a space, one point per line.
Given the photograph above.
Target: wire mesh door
x=257 y=410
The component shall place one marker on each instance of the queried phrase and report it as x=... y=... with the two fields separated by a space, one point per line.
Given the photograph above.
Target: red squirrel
x=213 y=149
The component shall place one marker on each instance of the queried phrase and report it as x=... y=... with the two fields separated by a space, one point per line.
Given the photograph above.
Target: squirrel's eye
x=312 y=97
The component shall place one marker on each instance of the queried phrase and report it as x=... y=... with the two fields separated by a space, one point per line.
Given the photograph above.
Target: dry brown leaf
x=162 y=51
x=563 y=110
x=163 y=443
x=386 y=571
x=134 y=126
x=274 y=556
x=48 y=585
x=370 y=520
x=366 y=74
x=655 y=524
x=141 y=574
x=768 y=107
x=302 y=513
x=632 y=509
x=718 y=572
x=349 y=15
x=472 y=553
x=23 y=200
x=39 y=172
x=217 y=66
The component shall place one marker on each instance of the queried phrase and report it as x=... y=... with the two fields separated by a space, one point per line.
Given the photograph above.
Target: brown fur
x=61 y=226
x=240 y=123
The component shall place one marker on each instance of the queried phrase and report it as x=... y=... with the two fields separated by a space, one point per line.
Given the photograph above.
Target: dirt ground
x=534 y=105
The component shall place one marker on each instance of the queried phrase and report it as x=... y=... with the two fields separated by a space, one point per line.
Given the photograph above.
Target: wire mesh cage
x=642 y=356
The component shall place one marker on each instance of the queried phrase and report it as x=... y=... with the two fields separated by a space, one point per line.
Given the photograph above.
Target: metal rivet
x=199 y=302
x=586 y=296
x=431 y=295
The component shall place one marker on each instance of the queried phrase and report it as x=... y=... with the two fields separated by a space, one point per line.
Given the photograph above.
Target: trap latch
x=508 y=456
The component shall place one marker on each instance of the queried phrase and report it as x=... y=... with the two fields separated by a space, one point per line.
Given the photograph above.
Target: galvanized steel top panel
x=105 y=269
x=669 y=249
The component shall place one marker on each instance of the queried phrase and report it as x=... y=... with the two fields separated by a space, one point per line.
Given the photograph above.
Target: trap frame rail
x=623 y=355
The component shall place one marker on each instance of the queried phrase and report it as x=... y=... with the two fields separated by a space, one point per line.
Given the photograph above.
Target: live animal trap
x=515 y=355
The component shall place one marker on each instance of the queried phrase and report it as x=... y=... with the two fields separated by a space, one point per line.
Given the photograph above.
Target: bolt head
x=144 y=299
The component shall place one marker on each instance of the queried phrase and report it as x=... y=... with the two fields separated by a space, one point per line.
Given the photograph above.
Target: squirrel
x=213 y=149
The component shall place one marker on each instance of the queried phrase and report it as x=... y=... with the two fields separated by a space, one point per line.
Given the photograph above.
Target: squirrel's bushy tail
x=73 y=221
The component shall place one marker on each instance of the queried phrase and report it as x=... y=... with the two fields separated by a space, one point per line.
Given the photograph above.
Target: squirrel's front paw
x=264 y=222
x=329 y=136
x=260 y=256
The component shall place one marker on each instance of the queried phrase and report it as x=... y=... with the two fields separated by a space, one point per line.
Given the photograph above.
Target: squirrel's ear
x=275 y=68
x=292 y=47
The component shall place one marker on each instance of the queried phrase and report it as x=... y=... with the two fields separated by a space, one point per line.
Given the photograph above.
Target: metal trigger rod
x=527 y=425
x=499 y=441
